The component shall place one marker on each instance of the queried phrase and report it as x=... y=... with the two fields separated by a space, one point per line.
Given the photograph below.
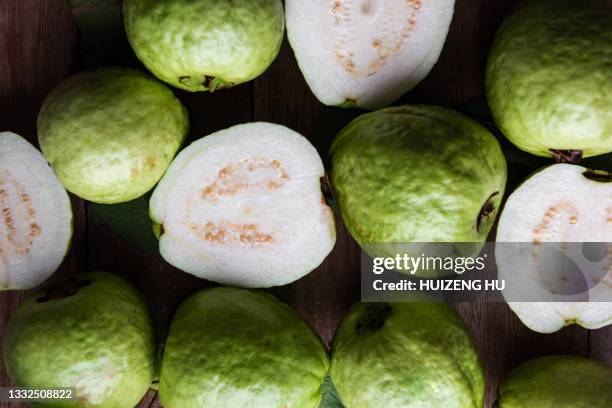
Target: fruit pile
x=244 y=206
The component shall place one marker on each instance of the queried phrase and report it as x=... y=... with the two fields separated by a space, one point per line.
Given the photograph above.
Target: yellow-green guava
x=204 y=45
x=237 y=348
x=557 y=382
x=111 y=133
x=406 y=355
x=92 y=333
x=417 y=174
x=549 y=78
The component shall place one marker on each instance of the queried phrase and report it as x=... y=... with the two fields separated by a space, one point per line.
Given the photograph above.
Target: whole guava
x=92 y=333
x=111 y=133
x=205 y=44
x=549 y=78
x=557 y=382
x=237 y=348
x=411 y=354
x=417 y=174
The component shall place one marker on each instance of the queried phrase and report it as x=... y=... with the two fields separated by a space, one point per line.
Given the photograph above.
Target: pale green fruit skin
x=549 y=81
x=184 y=41
x=416 y=174
x=557 y=382
x=405 y=355
x=111 y=133
x=99 y=340
x=238 y=348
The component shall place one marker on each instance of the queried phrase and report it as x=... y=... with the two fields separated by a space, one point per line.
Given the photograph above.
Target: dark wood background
x=38 y=44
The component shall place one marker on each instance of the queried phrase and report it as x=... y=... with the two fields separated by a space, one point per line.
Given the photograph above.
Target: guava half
x=92 y=333
x=549 y=82
x=35 y=215
x=559 y=204
x=557 y=382
x=111 y=133
x=205 y=45
x=366 y=53
x=243 y=207
x=412 y=354
x=231 y=347
x=417 y=174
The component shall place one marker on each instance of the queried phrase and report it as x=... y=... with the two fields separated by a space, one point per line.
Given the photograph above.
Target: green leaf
x=130 y=221
x=100 y=25
x=330 y=397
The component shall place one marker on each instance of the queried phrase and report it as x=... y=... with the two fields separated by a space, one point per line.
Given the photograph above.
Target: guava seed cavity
x=18 y=216
x=253 y=173
x=399 y=23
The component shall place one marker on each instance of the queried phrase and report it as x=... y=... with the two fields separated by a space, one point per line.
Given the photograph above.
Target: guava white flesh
x=243 y=207
x=366 y=53
x=35 y=215
x=557 y=205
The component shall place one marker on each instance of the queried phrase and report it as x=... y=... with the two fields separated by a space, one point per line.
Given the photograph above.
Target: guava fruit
x=111 y=133
x=417 y=174
x=205 y=44
x=231 y=347
x=562 y=203
x=243 y=207
x=411 y=354
x=549 y=82
x=92 y=333
x=557 y=382
x=366 y=53
x=35 y=216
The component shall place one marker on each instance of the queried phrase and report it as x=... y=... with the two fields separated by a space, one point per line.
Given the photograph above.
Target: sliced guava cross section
x=243 y=206
x=366 y=53
x=560 y=204
x=35 y=215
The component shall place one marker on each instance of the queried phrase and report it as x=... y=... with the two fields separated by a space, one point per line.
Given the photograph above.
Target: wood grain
x=37 y=39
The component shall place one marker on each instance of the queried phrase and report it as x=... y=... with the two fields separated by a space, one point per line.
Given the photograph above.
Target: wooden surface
x=37 y=43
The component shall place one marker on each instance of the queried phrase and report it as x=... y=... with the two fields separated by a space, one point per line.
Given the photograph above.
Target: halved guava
x=366 y=53
x=243 y=206
x=558 y=205
x=35 y=215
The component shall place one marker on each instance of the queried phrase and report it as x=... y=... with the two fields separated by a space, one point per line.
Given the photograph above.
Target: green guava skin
x=417 y=174
x=405 y=355
x=549 y=81
x=236 y=348
x=111 y=133
x=206 y=44
x=99 y=340
x=557 y=382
